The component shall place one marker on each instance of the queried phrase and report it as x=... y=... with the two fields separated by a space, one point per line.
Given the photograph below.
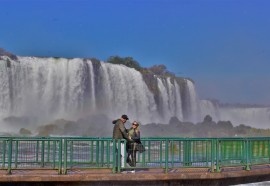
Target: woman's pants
x=131 y=154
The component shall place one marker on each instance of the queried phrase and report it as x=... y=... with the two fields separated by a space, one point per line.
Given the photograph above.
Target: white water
x=46 y=89
x=124 y=91
x=257 y=117
x=209 y=108
x=171 y=103
x=194 y=104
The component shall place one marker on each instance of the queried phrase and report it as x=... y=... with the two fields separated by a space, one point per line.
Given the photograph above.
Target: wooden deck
x=78 y=177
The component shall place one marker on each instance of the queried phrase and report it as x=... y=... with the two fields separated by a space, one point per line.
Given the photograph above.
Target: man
x=120 y=132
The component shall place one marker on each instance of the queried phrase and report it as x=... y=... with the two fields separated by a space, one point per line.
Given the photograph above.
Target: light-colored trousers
x=122 y=155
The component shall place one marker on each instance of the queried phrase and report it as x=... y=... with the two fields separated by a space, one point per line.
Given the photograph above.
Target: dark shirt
x=119 y=131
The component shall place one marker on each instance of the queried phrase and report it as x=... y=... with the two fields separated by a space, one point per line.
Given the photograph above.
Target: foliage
x=95 y=60
x=161 y=70
x=25 y=132
x=3 y=52
x=149 y=74
x=100 y=126
x=127 y=61
x=206 y=128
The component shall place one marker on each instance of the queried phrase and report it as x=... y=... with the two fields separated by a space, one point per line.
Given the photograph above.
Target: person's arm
x=124 y=132
x=114 y=121
x=127 y=130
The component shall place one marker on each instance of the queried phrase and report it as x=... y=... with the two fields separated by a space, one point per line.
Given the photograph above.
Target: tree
x=160 y=70
x=207 y=119
x=127 y=61
x=174 y=120
x=25 y=132
x=3 y=52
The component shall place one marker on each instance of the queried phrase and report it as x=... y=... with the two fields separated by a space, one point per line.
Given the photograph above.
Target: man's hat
x=124 y=117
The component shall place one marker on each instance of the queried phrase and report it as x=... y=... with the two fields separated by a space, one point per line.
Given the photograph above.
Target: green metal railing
x=31 y=153
x=68 y=153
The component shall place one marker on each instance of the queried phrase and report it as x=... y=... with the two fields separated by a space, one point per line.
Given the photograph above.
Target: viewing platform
x=165 y=161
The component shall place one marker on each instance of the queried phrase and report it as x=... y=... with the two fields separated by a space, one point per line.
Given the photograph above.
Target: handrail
x=67 y=153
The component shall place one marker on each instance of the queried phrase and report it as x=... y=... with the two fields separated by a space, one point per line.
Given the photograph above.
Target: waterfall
x=193 y=106
x=122 y=90
x=170 y=99
x=209 y=108
x=53 y=88
x=46 y=89
x=256 y=117
x=43 y=87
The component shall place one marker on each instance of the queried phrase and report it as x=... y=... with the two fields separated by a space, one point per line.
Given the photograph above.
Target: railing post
x=65 y=156
x=16 y=153
x=166 y=155
x=172 y=152
x=114 y=156
x=187 y=152
x=108 y=153
x=9 y=155
x=97 y=152
x=37 y=149
x=71 y=151
x=149 y=151
x=180 y=150
x=247 y=154
x=54 y=153
x=42 y=151
x=92 y=151
x=218 y=148
x=48 y=150
x=118 y=155
x=4 y=153
x=102 y=153
x=60 y=157
x=143 y=154
x=213 y=144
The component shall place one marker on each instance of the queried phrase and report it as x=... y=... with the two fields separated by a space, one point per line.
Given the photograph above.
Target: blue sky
x=224 y=45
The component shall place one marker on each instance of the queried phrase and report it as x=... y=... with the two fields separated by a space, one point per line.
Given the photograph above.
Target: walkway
x=192 y=176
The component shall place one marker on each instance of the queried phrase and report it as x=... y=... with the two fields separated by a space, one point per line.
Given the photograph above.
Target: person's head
x=124 y=118
x=135 y=124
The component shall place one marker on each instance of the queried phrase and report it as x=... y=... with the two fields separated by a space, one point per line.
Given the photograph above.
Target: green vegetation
x=3 y=52
x=206 y=128
x=149 y=74
x=161 y=71
x=127 y=61
x=158 y=70
x=101 y=126
x=25 y=132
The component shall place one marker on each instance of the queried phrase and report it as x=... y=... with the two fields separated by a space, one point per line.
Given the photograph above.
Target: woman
x=134 y=134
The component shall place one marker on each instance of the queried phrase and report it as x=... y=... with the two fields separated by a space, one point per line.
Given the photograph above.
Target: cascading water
x=193 y=105
x=256 y=117
x=47 y=89
x=122 y=90
x=53 y=88
x=171 y=104
x=209 y=108
x=44 y=87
